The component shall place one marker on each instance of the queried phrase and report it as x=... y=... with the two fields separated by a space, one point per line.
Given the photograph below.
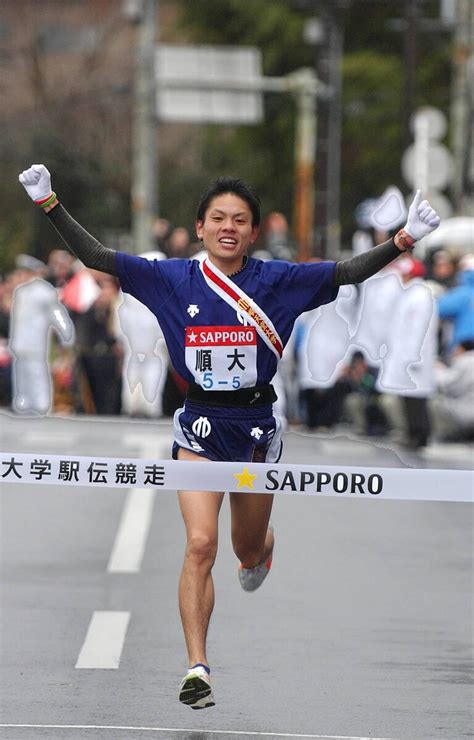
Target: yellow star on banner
x=245 y=479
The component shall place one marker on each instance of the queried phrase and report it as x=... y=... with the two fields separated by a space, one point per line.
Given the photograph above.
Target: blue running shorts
x=228 y=434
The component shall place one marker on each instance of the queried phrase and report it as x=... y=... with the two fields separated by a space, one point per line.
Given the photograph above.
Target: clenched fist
x=37 y=182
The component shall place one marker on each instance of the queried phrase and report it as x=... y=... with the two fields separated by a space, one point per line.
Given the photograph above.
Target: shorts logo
x=202 y=427
x=256 y=432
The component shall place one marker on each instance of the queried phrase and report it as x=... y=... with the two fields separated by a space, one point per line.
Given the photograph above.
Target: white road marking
x=199 y=733
x=131 y=537
x=150 y=448
x=104 y=640
x=51 y=437
x=450 y=451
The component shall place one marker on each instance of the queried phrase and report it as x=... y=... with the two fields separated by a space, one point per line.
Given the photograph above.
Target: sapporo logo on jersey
x=198 y=336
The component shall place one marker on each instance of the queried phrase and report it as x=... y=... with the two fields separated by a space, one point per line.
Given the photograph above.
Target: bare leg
x=251 y=538
x=200 y=510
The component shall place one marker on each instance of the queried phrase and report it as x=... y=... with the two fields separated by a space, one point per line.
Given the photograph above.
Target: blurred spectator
x=35 y=310
x=194 y=249
x=179 y=243
x=261 y=254
x=6 y=290
x=457 y=304
x=377 y=219
x=80 y=292
x=373 y=314
x=277 y=239
x=321 y=340
x=146 y=357
x=408 y=367
x=62 y=374
x=99 y=354
x=60 y=267
x=27 y=267
x=388 y=214
x=444 y=269
x=161 y=232
x=357 y=386
x=453 y=404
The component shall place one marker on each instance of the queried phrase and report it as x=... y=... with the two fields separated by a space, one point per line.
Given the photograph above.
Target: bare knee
x=201 y=549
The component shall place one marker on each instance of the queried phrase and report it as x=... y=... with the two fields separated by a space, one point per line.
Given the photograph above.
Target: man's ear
x=255 y=233
x=198 y=227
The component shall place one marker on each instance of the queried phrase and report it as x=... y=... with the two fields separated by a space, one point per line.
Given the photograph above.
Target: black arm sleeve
x=84 y=246
x=361 y=267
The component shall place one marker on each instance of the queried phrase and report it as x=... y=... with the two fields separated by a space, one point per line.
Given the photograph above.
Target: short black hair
x=234 y=185
x=357 y=356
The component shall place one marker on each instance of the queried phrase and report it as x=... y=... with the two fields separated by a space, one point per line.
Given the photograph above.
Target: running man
x=225 y=320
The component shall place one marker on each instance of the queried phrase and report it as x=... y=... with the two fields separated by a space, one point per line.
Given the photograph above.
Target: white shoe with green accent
x=195 y=689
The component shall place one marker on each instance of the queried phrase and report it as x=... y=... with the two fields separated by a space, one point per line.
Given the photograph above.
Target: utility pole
x=462 y=103
x=305 y=152
x=329 y=65
x=333 y=179
x=144 y=193
x=410 y=38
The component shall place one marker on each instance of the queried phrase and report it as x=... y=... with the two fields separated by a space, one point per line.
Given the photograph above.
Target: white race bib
x=222 y=357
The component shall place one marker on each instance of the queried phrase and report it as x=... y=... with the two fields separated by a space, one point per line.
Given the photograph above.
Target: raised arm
x=422 y=219
x=37 y=182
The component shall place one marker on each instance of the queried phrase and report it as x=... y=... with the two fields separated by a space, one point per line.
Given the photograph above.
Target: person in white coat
x=36 y=310
x=453 y=403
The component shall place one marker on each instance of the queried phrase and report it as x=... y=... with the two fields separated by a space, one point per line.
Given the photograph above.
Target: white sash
x=240 y=301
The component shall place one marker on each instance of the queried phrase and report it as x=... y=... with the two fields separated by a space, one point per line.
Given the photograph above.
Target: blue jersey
x=211 y=342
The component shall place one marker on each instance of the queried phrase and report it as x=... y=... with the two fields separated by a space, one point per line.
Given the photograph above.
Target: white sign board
x=181 y=69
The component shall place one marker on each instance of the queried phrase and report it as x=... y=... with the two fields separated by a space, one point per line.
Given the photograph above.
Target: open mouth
x=227 y=241
x=229 y=245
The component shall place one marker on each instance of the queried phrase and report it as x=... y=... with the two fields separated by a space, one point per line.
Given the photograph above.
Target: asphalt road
x=362 y=630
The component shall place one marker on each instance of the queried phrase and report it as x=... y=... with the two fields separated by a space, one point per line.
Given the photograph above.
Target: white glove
x=422 y=218
x=37 y=182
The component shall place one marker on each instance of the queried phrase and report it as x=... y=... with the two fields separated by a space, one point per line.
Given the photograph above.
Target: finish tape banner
x=405 y=484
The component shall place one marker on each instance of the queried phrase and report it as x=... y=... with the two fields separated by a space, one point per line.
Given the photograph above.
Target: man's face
x=227 y=229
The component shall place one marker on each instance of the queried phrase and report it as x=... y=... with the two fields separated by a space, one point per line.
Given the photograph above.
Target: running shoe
x=195 y=689
x=251 y=578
